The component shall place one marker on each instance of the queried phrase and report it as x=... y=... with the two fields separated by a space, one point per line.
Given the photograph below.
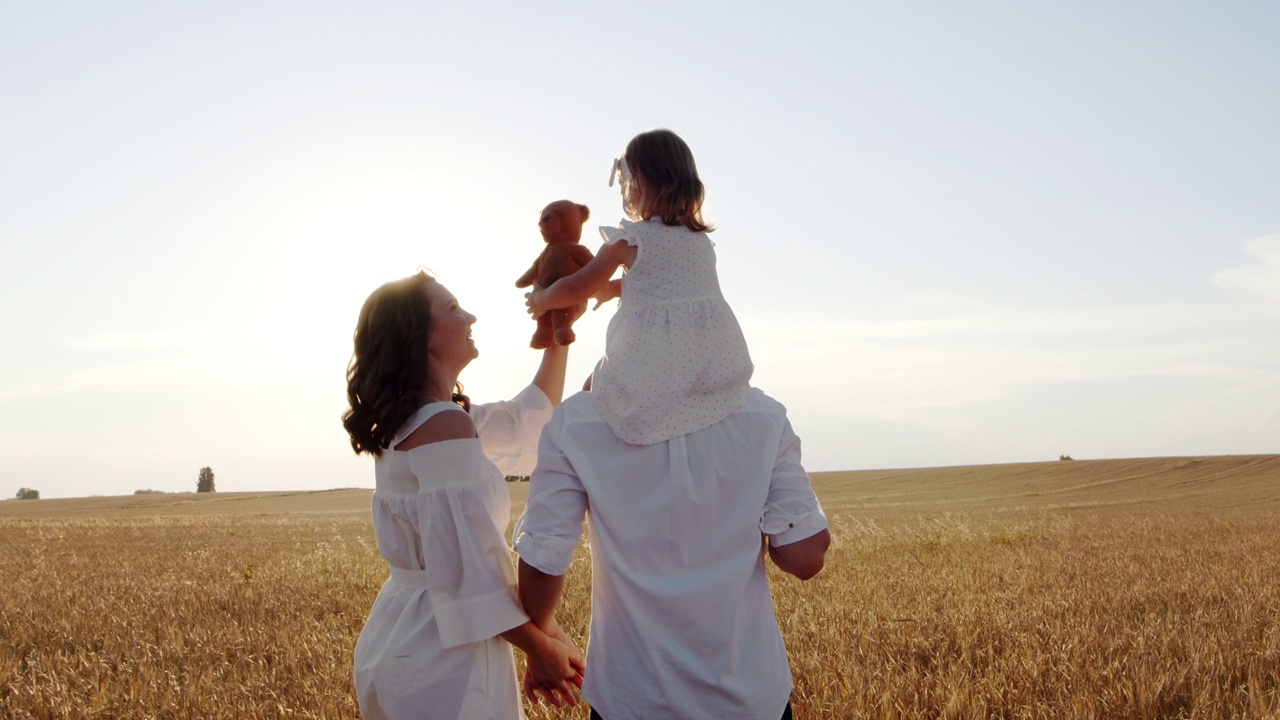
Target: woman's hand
x=575 y=655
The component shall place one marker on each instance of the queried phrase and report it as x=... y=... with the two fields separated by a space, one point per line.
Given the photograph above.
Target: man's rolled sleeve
x=792 y=511
x=548 y=531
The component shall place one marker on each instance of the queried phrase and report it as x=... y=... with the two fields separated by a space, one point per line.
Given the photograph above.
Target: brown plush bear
x=561 y=226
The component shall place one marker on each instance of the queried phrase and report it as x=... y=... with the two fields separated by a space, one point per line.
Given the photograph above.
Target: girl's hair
x=388 y=367
x=668 y=177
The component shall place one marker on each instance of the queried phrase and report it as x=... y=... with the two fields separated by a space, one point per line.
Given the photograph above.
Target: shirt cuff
x=786 y=530
x=475 y=619
x=548 y=555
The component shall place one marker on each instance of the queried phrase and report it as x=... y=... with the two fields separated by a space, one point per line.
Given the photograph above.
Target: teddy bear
x=561 y=226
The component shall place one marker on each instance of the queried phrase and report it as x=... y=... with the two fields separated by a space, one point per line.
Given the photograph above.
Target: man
x=682 y=622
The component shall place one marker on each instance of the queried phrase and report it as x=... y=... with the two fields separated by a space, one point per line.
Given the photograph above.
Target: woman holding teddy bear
x=438 y=639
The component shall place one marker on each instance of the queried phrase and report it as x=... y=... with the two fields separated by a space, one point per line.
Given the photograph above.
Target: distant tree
x=148 y=492
x=28 y=494
x=205 y=482
x=1065 y=457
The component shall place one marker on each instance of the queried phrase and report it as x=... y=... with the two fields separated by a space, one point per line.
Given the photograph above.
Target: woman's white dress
x=675 y=358
x=429 y=648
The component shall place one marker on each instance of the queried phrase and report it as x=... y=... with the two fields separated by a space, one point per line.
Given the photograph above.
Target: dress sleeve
x=469 y=576
x=551 y=525
x=509 y=429
x=792 y=511
x=625 y=232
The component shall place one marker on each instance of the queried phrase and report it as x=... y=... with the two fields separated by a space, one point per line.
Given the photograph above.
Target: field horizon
x=1175 y=484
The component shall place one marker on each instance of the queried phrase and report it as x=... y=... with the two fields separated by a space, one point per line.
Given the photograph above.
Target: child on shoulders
x=675 y=357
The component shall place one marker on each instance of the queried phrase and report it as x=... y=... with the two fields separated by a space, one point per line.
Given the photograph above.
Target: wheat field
x=1086 y=589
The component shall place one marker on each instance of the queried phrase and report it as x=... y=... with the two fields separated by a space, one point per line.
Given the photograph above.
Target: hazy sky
x=954 y=233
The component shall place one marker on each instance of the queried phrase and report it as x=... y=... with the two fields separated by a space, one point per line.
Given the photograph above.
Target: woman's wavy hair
x=669 y=183
x=388 y=368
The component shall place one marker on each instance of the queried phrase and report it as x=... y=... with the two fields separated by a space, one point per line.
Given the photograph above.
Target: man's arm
x=545 y=537
x=793 y=522
x=803 y=558
x=540 y=594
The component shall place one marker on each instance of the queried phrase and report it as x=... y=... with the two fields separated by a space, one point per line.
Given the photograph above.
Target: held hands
x=575 y=655
x=554 y=668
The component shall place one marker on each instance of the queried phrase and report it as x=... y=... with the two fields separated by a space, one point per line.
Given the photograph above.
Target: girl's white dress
x=675 y=358
x=429 y=648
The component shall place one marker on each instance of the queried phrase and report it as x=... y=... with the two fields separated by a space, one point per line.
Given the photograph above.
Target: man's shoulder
x=578 y=407
x=759 y=402
x=756 y=400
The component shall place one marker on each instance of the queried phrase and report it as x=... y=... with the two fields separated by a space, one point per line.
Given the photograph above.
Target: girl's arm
x=610 y=290
x=577 y=288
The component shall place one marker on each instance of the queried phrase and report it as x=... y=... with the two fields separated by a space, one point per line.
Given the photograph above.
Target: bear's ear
x=586 y=212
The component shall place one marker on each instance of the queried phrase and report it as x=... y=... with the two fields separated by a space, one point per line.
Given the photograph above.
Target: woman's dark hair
x=669 y=183
x=388 y=367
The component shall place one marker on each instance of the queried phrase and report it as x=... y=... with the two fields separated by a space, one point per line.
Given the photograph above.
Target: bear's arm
x=581 y=255
x=530 y=275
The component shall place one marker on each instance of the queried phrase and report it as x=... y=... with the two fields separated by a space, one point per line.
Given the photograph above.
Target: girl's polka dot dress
x=675 y=358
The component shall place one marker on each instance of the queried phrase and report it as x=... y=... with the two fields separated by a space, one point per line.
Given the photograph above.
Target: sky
x=954 y=233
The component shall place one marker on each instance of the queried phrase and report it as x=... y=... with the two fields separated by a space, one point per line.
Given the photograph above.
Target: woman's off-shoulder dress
x=430 y=648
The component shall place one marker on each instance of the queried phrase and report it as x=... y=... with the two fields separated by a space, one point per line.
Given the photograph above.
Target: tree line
x=205 y=483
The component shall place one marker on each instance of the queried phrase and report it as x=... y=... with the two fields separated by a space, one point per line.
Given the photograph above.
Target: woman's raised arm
x=550 y=375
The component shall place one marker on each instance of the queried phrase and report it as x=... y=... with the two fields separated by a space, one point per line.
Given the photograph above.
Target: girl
x=675 y=358
x=436 y=641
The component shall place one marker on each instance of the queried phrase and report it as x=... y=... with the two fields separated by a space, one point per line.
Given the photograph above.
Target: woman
x=436 y=641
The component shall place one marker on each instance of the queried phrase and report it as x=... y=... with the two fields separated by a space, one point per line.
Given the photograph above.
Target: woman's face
x=450 y=342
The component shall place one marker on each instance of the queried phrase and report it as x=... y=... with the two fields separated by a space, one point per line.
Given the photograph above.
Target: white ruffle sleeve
x=625 y=231
x=469 y=577
x=509 y=429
